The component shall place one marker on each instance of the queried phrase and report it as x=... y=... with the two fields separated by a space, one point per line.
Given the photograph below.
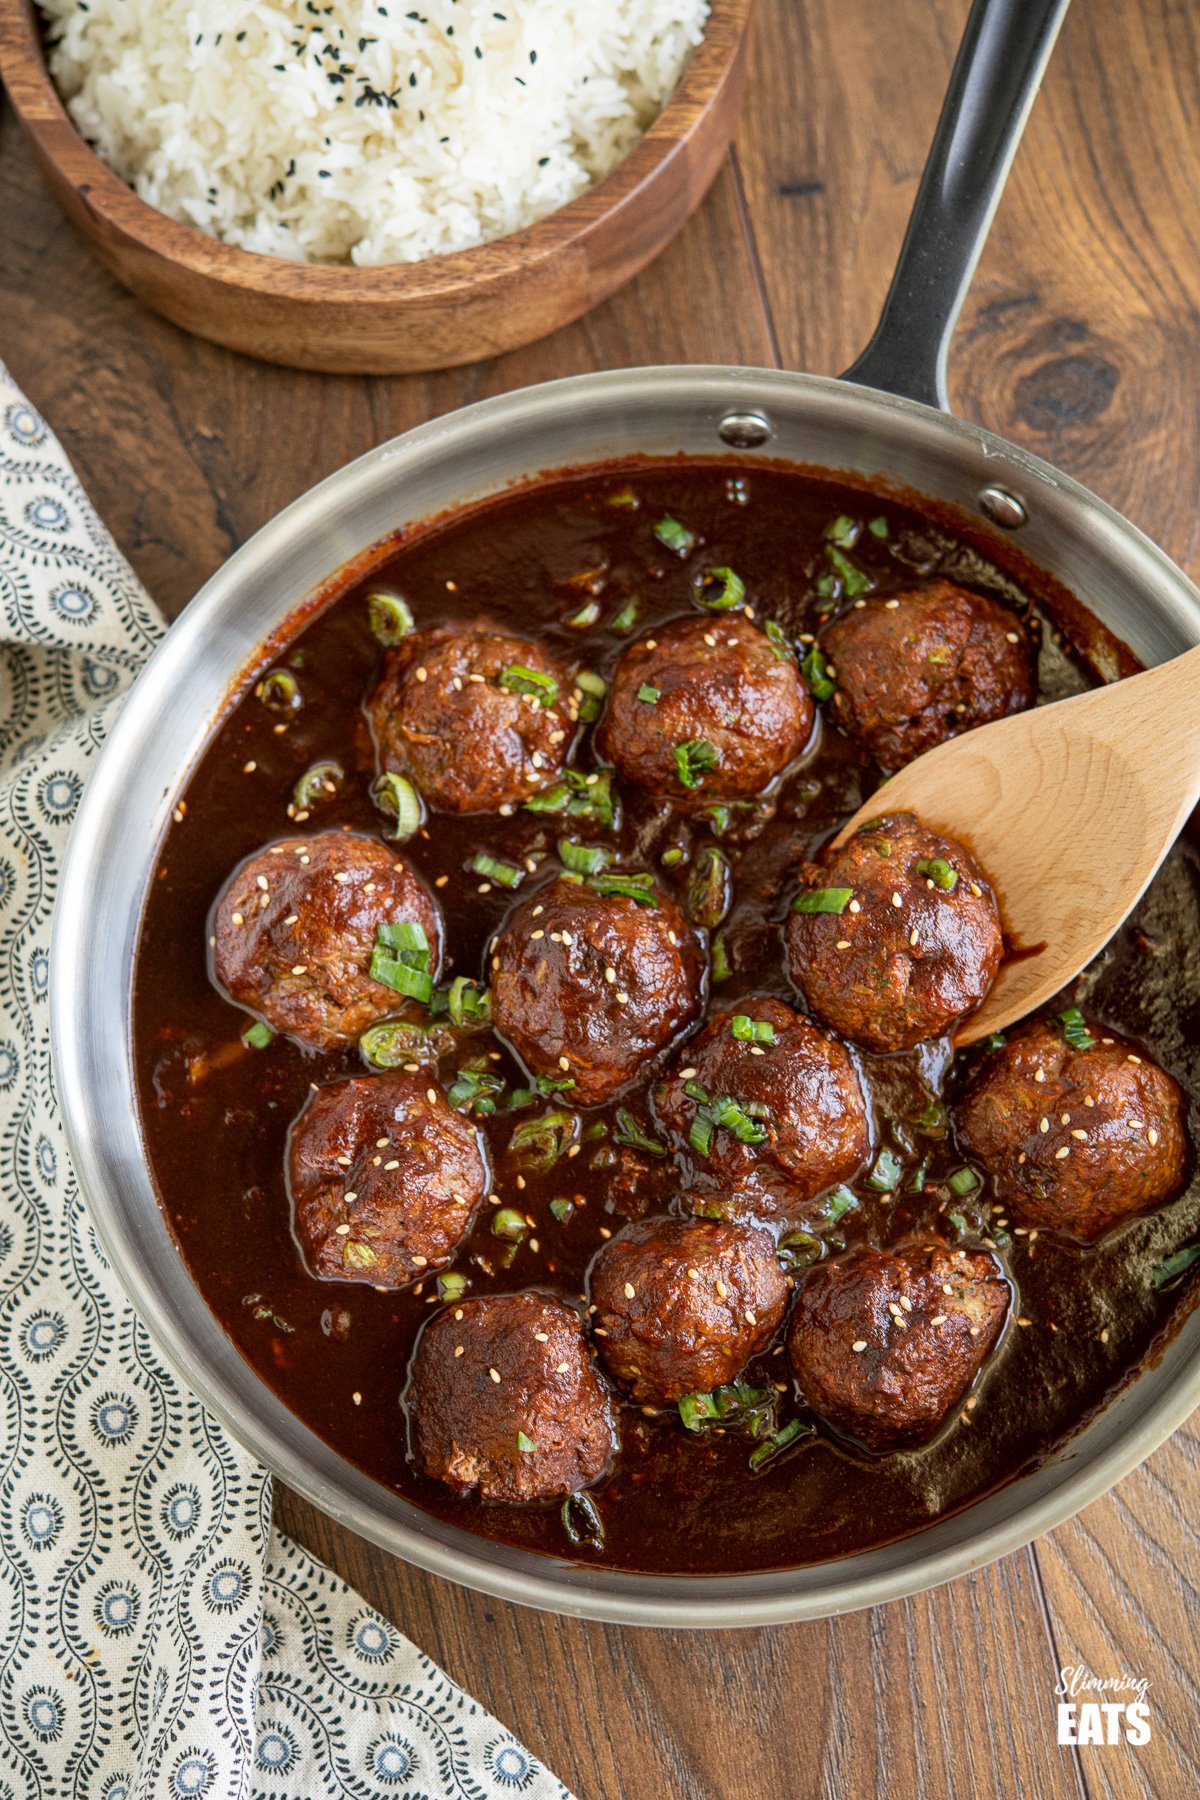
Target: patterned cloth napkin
x=157 y=1637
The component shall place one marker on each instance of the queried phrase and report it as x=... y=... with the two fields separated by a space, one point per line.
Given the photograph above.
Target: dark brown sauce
x=337 y=1353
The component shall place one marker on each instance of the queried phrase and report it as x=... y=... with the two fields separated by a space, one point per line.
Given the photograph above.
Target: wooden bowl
x=398 y=316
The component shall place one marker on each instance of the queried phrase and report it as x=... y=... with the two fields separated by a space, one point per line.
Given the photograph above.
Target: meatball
x=1077 y=1139
x=895 y=936
x=295 y=925
x=385 y=1179
x=683 y=1304
x=718 y=686
x=476 y=718
x=587 y=983
x=883 y=1344
x=801 y=1088
x=916 y=669
x=504 y=1397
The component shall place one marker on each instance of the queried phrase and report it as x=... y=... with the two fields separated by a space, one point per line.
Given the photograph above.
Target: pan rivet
x=745 y=430
x=1002 y=508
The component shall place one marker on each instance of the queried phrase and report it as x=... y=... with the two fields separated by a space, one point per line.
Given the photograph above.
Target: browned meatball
x=683 y=1304
x=883 y=1344
x=718 y=683
x=915 y=945
x=916 y=669
x=1077 y=1138
x=295 y=925
x=801 y=1088
x=588 y=984
x=476 y=718
x=385 y=1179
x=504 y=1397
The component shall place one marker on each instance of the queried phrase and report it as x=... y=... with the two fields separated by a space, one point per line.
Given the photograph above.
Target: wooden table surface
x=1080 y=341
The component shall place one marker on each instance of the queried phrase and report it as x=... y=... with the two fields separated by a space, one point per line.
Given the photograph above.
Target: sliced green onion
x=779 y=1442
x=878 y=527
x=520 y=679
x=632 y=887
x=624 y=497
x=1175 y=1265
x=650 y=696
x=469 y=1004
x=625 y=620
x=357 y=1256
x=510 y=1225
x=587 y=797
x=939 y=871
x=452 y=1286
x=917 y=1184
x=587 y=615
x=475 y=1090
x=630 y=1132
x=671 y=856
x=675 y=536
x=722 y=968
x=814 y=669
x=582 y=1522
x=823 y=900
x=718 y=590
x=400 y=960
x=553 y=1084
x=280 y=692
x=397 y=1041
x=799 y=1249
x=959 y=1223
x=933 y=1120
x=584 y=859
x=752 y=1031
x=840 y=1202
x=1074 y=1029
x=539 y=1143
x=391 y=617
x=709 y=893
x=963 y=1181
x=562 y=1209
x=727 y=1114
x=779 y=641
x=736 y=1403
x=494 y=868
x=594 y=688
x=398 y=799
x=519 y=1097
x=853 y=579
x=995 y=1040
x=525 y=1444
x=320 y=782
x=843 y=531
x=885 y=1172
x=258 y=1035
x=693 y=758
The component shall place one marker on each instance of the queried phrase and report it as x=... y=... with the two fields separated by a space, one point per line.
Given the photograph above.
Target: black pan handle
x=1000 y=64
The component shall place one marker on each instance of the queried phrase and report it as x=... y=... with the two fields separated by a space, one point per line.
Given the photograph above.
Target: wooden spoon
x=1069 y=809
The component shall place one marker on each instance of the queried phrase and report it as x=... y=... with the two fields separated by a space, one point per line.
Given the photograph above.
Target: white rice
x=354 y=131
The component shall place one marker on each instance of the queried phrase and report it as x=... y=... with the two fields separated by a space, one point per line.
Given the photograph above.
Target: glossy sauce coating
x=216 y=1116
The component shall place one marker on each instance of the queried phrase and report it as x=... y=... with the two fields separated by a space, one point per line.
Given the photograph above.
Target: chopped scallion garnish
x=718 y=590
x=579 y=796
x=469 y=1004
x=451 y=1286
x=280 y=692
x=509 y=1224
x=840 y=1202
x=525 y=1444
x=675 y=536
x=582 y=1522
x=539 y=1143
x=520 y=679
x=710 y=889
x=752 y=1031
x=398 y=800
x=1175 y=1265
x=779 y=641
x=722 y=968
x=650 y=696
x=631 y=887
x=963 y=1181
x=584 y=859
x=1074 y=1029
x=400 y=960
x=494 y=868
x=562 y=1209
x=778 y=1442
x=475 y=1090
x=736 y=1403
x=814 y=669
x=693 y=758
x=630 y=1132
x=391 y=617
x=885 y=1172
x=624 y=620
x=587 y=615
x=843 y=531
x=319 y=783
x=936 y=869
x=258 y=1035
x=878 y=527
x=725 y=1113
x=854 y=580
x=823 y=900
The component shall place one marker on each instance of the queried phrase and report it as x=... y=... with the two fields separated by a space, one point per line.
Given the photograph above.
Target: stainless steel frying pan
x=886 y=418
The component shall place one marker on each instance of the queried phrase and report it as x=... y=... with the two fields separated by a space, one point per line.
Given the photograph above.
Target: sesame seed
x=1133 y=1059
x=299 y=968
x=856 y=906
x=722 y=1290
x=564 y=1062
x=1081 y=1135
x=342 y=1230
x=261 y=881
x=351 y=1196
x=1039 y=1074
x=458 y=1348
x=495 y=1375
x=1062 y=1151
x=977 y=890
x=940 y=1319
x=356 y=1397
x=536 y=936
x=1023 y=1321
x=431 y=1095
x=891 y=605
x=543 y=1337
x=687 y=1074
x=896 y=900
x=1013 y=637
x=238 y=919
x=843 y=943
x=1043 y=1125
x=1152 y=1134
x=630 y=1291
x=914 y=937
x=420 y=1262
x=751 y=1318
x=423 y=675
x=859 y=1344
x=249 y=768
x=1065 y=1118
x=1104 y=1335
x=906 y=1303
